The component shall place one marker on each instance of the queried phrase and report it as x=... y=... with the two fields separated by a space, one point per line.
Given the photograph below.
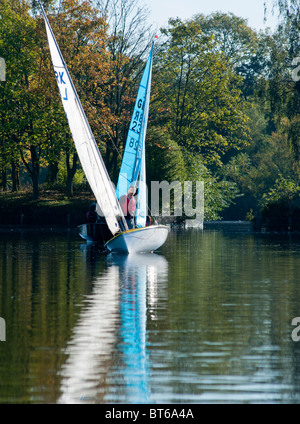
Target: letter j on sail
x=65 y=95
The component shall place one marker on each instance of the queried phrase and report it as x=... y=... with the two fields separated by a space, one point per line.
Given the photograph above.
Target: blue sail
x=142 y=207
x=134 y=148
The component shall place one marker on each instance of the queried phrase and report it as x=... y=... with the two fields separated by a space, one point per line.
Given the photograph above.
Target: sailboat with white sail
x=122 y=239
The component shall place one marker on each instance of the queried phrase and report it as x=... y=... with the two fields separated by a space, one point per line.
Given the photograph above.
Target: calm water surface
x=207 y=319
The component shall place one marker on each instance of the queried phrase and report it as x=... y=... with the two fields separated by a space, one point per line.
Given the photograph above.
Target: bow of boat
x=146 y=239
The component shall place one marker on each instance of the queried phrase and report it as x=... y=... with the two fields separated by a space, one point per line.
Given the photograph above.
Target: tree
x=128 y=43
x=81 y=35
x=232 y=36
x=284 y=192
x=283 y=88
x=197 y=96
x=20 y=101
x=238 y=42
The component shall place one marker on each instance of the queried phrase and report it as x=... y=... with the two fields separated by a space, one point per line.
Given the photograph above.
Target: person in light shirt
x=128 y=205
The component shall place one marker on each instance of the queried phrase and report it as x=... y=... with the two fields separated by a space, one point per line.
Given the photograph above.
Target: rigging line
x=111 y=139
x=108 y=134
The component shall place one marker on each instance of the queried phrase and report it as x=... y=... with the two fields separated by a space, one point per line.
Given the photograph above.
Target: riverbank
x=54 y=209
x=51 y=209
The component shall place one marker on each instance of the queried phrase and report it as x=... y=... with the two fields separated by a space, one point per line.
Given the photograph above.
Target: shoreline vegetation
x=53 y=210
x=225 y=109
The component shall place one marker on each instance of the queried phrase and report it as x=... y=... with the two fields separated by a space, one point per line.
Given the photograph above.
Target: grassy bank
x=51 y=209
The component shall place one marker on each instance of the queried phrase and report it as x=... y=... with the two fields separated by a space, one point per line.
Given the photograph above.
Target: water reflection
x=107 y=356
x=207 y=322
x=93 y=339
x=139 y=277
x=42 y=282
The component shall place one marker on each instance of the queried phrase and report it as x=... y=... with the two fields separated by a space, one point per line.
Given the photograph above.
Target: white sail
x=86 y=146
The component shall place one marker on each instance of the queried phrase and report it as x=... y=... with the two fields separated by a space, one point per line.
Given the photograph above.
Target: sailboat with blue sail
x=133 y=170
x=118 y=237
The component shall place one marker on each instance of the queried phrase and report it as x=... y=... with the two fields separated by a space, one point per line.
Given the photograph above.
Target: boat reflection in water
x=107 y=355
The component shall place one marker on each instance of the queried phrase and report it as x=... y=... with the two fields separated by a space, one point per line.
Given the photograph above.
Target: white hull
x=144 y=239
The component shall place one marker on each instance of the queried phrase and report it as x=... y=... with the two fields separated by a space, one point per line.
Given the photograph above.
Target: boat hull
x=146 y=239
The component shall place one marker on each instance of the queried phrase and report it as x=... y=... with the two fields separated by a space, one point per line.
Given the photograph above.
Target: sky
x=253 y=10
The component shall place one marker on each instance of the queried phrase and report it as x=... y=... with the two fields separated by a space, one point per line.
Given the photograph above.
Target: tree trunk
x=35 y=186
x=15 y=177
x=71 y=170
x=4 y=180
x=34 y=170
x=52 y=173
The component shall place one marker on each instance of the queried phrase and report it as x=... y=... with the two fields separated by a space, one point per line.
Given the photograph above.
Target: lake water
x=206 y=319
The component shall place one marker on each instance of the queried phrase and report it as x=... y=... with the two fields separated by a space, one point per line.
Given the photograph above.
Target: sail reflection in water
x=139 y=278
x=93 y=340
x=107 y=356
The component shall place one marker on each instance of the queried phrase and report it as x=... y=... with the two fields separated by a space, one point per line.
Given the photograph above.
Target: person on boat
x=128 y=205
x=92 y=216
x=150 y=221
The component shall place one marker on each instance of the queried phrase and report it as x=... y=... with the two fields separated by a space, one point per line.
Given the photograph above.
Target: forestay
x=86 y=146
